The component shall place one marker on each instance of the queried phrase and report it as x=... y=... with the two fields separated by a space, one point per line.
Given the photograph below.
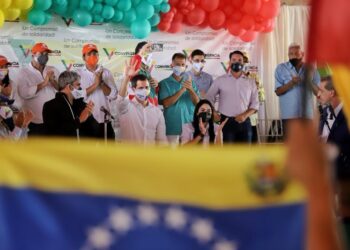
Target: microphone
x=106 y=112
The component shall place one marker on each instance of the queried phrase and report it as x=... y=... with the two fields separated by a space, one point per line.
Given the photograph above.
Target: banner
x=65 y=195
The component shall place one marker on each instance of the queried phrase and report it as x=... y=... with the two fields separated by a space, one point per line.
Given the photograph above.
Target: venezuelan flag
x=60 y=195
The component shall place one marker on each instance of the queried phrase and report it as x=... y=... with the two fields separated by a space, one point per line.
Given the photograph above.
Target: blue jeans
x=234 y=132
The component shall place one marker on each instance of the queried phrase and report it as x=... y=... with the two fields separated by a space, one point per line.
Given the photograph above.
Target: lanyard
x=71 y=110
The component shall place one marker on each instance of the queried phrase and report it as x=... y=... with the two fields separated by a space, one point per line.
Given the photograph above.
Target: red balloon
x=269 y=9
x=168 y=17
x=196 y=2
x=236 y=16
x=164 y=26
x=251 y=7
x=210 y=5
x=235 y=29
x=247 y=22
x=237 y=3
x=191 y=6
x=185 y=11
x=217 y=19
x=196 y=16
x=175 y=27
x=248 y=36
x=183 y=4
x=228 y=10
x=204 y=24
x=174 y=2
x=178 y=18
x=269 y=26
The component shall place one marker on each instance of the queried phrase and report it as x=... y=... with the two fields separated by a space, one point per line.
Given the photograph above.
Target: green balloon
x=155 y=2
x=140 y=28
x=48 y=18
x=154 y=20
x=60 y=2
x=87 y=4
x=82 y=18
x=59 y=9
x=135 y=2
x=156 y=8
x=98 y=19
x=97 y=9
x=98 y=1
x=164 y=7
x=111 y=2
x=107 y=12
x=42 y=4
x=124 y=5
x=36 y=17
x=144 y=10
x=129 y=17
x=118 y=16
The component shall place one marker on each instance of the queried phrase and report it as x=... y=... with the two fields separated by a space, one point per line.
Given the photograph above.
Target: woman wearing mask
x=5 y=83
x=202 y=130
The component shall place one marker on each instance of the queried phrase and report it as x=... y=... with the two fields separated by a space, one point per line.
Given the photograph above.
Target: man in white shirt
x=37 y=85
x=100 y=88
x=140 y=120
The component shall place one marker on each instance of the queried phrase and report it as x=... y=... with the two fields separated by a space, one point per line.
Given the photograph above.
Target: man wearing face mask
x=289 y=87
x=202 y=79
x=58 y=113
x=100 y=87
x=238 y=99
x=37 y=84
x=178 y=95
x=140 y=120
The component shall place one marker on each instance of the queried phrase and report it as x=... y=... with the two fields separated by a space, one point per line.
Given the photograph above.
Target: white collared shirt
x=28 y=80
x=98 y=97
x=140 y=124
x=326 y=129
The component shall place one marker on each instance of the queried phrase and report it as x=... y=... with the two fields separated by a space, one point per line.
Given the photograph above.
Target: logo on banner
x=67 y=21
x=157 y=47
x=187 y=52
x=55 y=53
x=212 y=56
x=26 y=49
x=71 y=64
x=109 y=52
x=164 y=67
x=225 y=66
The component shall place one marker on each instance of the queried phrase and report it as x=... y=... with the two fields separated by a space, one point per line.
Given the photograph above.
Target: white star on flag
x=202 y=230
x=148 y=215
x=100 y=238
x=120 y=220
x=175 y=218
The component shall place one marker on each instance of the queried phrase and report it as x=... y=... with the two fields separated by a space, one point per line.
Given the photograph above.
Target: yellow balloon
x=5 y=4
x=2 y=18
x=24 y=15
x=12 y=14
x=22 y=4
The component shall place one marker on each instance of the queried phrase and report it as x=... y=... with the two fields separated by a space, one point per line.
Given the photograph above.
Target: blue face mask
x=179 y=70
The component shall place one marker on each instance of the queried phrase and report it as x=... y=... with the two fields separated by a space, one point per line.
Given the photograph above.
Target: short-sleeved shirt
x=180 y=112
x=291 y=102
x=28 y=80
x=203 y=81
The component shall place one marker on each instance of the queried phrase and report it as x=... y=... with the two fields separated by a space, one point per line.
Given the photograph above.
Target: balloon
x=129 y=17
x=144 y=10
x=48 y=18
x=60 y=9
x=61 y=2
x=237 y=3
x=154 y=20
x=42 y=4
x=196 y=16
x=248 y=36
x=205 y=24
x=269 y=9
x=140 y=28
x=236 y=16
x=178 y=18
x=36 y=17
x=107 y=12
x=210 y=5
x=164 y=26
x=97 y=9
x=111 y=2
x=235 y=29
x=247 y=22
x=118 y=16
x=251 y=7
x=87 y=4
x=98 y=19
x=5 y=4
x=124 y=5
x=228 y=10
x=164 y=7
x=2 y=18
x=135 y=2
x=22 y=4
x=175 y=27
x=12 y=14
x=217 y=19
x=155 y=2
x=82 y=17
x=269 y=26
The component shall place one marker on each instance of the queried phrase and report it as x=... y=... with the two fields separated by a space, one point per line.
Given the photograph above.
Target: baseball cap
x=4 y=61
x=88 y=48
x=40 y=47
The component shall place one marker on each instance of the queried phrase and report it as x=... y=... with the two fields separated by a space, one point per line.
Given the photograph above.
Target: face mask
x=205 y=116
x=295 y=61
x=197 y=67
x=6 y=113
x=78 y=93
x=236 y=67
x=92 y=61
x=179 y=70
x=141 y=94
x=3 y=74
x=42 y=59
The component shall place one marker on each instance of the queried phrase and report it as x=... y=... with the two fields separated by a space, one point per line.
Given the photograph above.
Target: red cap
x=3 y=61
x=88 y=48
x=40 y=47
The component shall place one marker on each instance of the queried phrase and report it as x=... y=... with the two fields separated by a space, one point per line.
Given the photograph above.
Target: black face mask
x=43 y=59
x=295 y=61
x=205 y=116
x=9 y=123
x=236 y=67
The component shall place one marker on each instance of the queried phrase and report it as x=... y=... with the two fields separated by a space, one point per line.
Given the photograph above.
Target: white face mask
x=78 y=93
x=198 y=67
x=141 y=94
x=6 y=112
x=179 y=70
x=3 y=73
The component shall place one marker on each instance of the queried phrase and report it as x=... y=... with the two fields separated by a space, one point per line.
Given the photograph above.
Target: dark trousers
x=36 y=129
x=110 y=131
x=234 y=132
